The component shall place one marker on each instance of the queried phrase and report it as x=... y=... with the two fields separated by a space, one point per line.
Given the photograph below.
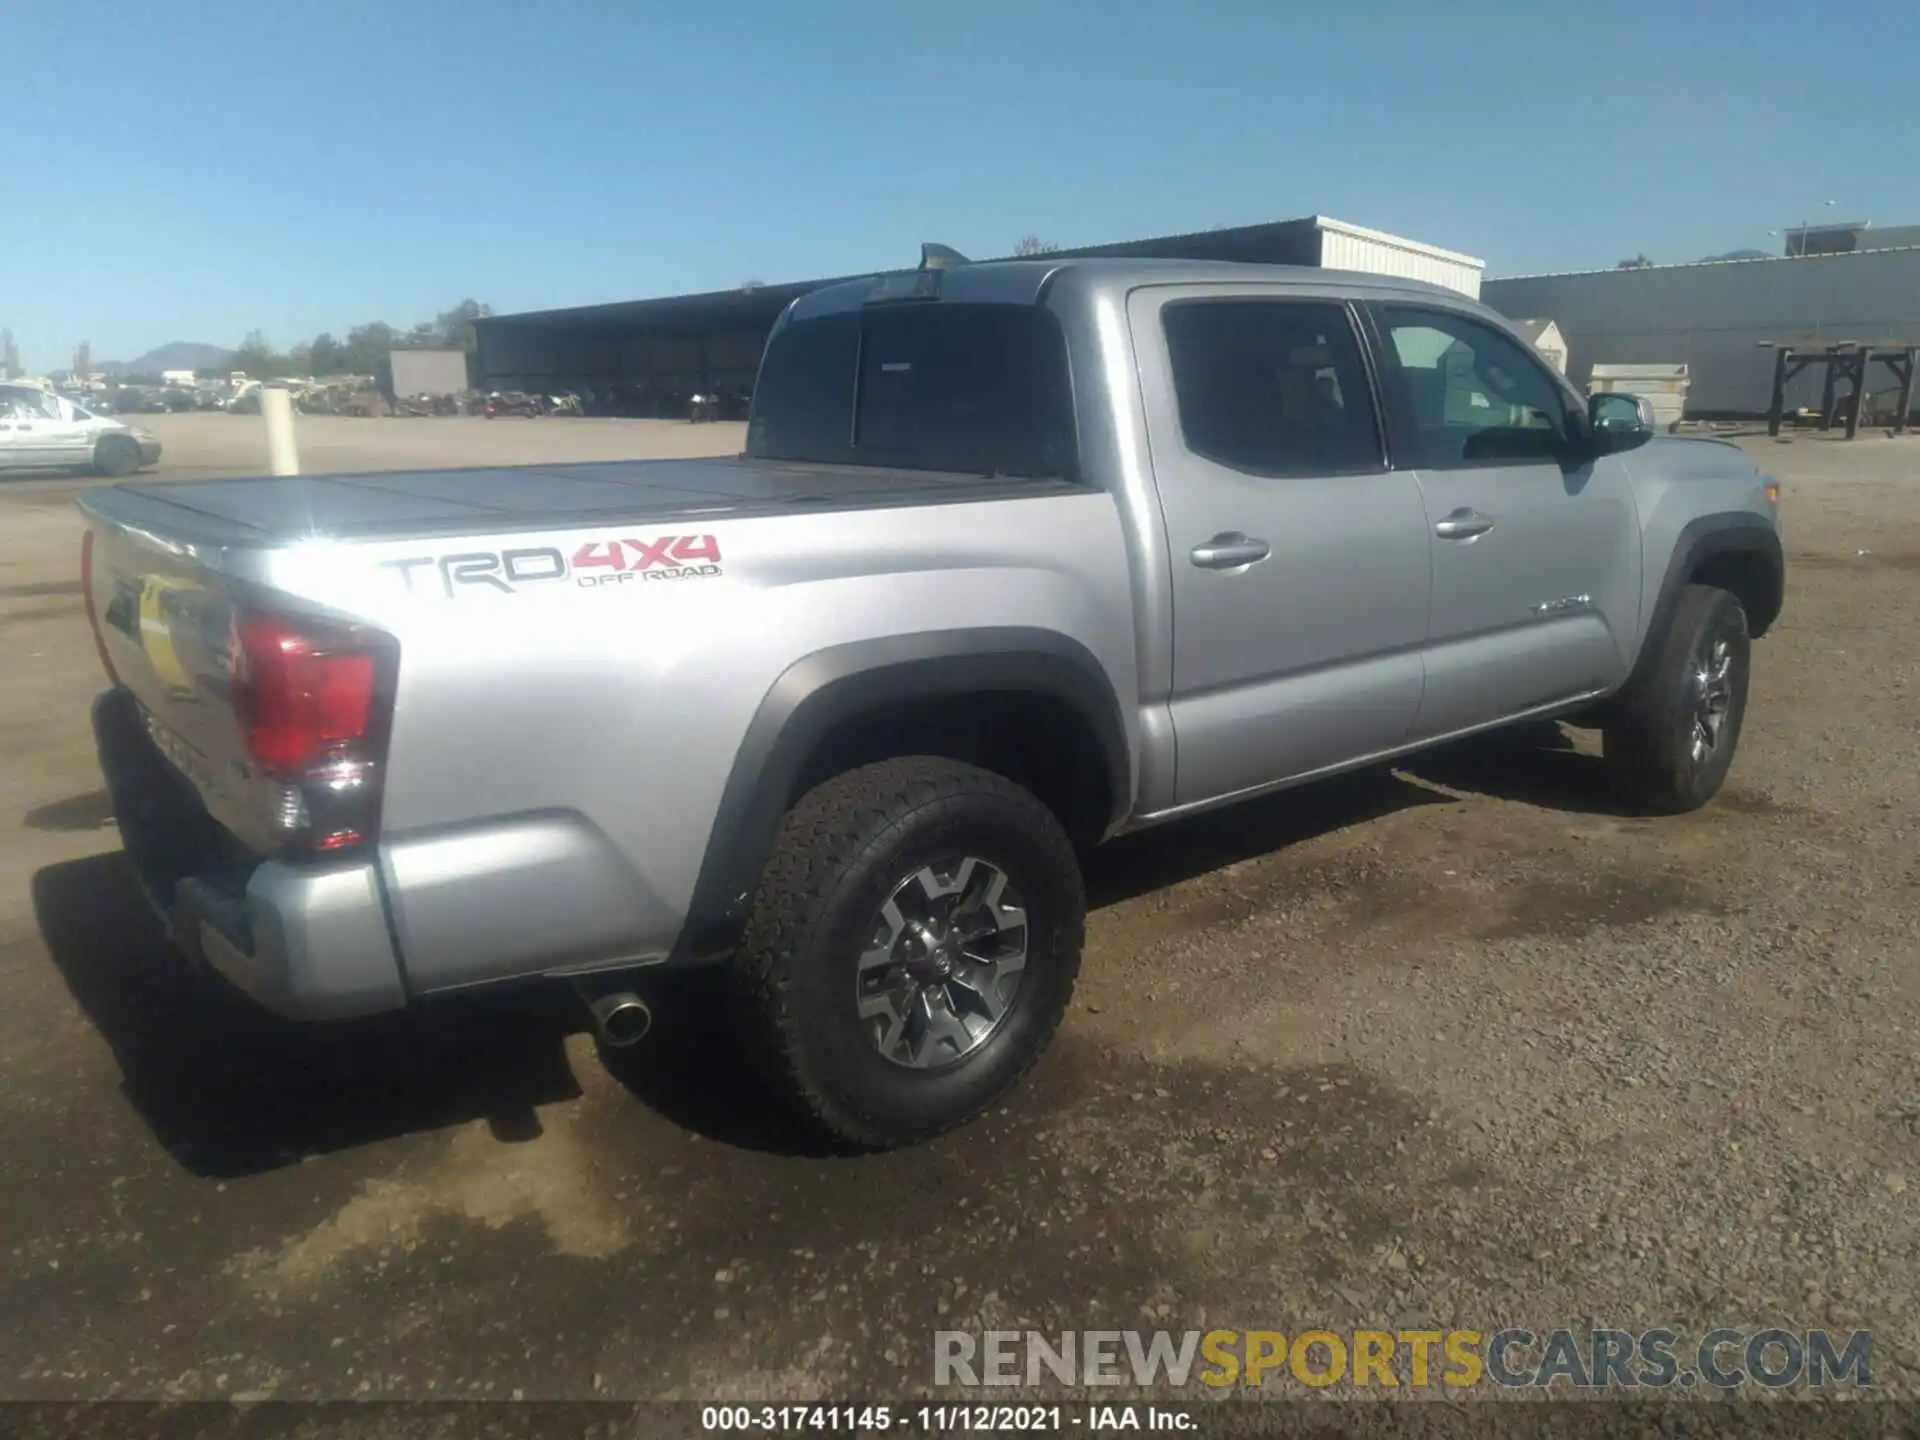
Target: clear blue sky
x=190 y=171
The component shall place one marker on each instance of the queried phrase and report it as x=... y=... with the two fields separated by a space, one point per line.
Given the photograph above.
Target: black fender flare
x=826 y=689
x=1700 y=539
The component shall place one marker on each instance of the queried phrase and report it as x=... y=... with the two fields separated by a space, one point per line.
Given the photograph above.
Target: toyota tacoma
x=1018 y=557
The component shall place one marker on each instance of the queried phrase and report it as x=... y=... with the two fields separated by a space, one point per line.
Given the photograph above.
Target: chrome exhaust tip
x=620 y=1019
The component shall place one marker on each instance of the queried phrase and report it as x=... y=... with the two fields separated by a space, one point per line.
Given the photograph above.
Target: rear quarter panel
x=560 y=745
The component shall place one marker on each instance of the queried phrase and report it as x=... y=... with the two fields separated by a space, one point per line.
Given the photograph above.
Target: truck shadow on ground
x=91 y=811
x=1113 y=1187
x=1135 y=865
x=1534 y=764
x=230 y=1090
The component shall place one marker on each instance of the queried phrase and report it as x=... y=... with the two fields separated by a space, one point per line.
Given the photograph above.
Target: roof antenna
x=940 y=257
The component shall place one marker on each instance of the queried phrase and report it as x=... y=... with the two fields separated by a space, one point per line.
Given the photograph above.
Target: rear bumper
x=304 y=941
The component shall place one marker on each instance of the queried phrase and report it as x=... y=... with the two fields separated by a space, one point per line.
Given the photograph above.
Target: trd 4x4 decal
x=598 y=562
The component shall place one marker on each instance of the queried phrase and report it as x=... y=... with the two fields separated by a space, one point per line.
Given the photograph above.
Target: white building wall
x=1354 y=247
x=429 y=372
x=1552 y=346
x=1712 y=318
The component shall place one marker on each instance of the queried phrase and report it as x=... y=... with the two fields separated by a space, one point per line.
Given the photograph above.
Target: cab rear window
x=962 y=388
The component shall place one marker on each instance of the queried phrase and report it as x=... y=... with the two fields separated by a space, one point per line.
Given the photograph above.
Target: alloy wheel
x=943 y=965
x=1713 y=697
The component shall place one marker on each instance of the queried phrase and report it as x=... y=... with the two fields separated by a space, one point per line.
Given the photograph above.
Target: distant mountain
x=1738 y=255
x=178 y=355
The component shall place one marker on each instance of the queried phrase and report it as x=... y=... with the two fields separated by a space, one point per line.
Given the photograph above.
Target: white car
x=43 y=431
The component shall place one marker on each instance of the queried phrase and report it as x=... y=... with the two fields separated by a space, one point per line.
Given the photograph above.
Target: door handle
x=1230 y=550
x=1463 y=524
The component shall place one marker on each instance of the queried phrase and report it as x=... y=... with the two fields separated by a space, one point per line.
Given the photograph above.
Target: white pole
x=276 y=408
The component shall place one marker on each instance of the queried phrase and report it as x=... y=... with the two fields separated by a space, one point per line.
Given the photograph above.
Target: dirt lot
x=1452 y=1045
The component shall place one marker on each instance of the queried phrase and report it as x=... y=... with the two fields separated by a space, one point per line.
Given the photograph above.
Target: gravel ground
x=1451 y=1045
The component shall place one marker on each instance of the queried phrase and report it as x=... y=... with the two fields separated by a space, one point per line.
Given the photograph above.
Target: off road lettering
x=667 y=557
x=598 y=562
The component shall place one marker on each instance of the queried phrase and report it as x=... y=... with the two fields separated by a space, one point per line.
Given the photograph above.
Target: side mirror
x=1619 y=422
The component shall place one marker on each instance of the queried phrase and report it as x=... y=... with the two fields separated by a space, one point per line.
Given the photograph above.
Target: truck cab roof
x=1028 y=281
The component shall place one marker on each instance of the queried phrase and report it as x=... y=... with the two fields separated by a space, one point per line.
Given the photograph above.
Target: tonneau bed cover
x=392 y=505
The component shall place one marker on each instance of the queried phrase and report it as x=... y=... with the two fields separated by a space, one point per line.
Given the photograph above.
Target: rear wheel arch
x=990 y=697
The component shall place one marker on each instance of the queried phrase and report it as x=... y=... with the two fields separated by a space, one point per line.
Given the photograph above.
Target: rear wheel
x=115 y=455
x=911 y=950
x=1671 y=735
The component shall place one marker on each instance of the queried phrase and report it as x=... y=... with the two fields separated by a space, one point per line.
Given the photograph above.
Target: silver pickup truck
x=1019 y=556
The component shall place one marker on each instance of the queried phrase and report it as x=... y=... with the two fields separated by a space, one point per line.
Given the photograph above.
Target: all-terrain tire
x=1666 y=753
x=115 y=455
x=842 y=852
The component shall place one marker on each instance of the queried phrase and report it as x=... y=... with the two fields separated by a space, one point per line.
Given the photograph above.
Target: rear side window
x=26 y=402
x=972 y=389
x=803 y=397
x=1272 y=387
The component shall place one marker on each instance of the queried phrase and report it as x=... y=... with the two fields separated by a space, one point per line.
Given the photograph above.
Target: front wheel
x=911 y=950
x=115 y=455
x=1671 y=735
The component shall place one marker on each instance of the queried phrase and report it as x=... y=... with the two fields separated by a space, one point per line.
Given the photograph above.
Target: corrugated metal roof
x=1705 y=264
x=1267 y=242
x=759 y=306
x=763 y=305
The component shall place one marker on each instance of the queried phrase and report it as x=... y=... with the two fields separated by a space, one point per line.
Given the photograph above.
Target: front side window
x=1272 y=387
x=963 y=388
x=1475 y=395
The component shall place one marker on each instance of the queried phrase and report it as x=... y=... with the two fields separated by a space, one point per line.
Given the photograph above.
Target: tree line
x=365 y=349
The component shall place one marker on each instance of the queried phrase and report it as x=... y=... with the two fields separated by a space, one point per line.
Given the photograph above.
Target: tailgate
x=164 y=615
x=166 y=584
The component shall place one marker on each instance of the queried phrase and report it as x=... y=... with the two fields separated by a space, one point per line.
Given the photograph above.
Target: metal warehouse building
x=1713 y=316
x=647 y=357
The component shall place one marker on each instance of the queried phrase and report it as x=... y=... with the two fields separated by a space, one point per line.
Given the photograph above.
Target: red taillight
x=313 y=702
x=93 y=614
x=300 y=695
